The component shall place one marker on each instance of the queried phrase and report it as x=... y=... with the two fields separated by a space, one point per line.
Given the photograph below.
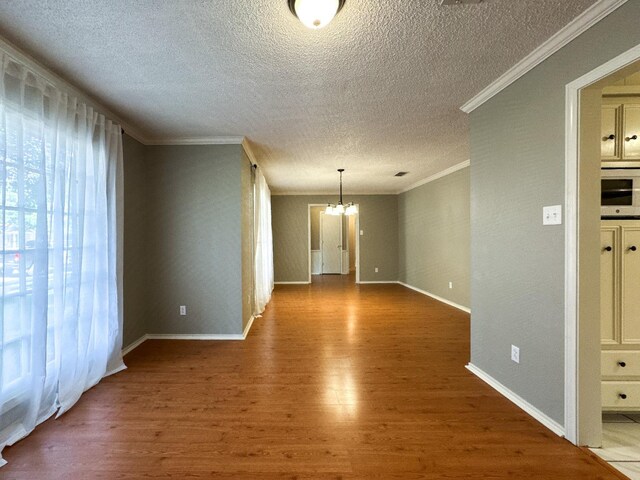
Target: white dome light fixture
x=315 y=14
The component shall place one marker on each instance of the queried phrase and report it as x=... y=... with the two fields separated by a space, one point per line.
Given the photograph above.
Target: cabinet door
x=609 y=286
x=630 y=285
x=610 y=135
x=631 y=140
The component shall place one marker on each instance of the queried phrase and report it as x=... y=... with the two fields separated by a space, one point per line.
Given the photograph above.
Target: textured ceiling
x=375 y=92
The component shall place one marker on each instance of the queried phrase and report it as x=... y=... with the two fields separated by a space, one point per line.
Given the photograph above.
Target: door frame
x=309 y=239
x=581 y=428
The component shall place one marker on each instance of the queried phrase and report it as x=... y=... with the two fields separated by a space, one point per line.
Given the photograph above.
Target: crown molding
x=331 y=193
x=246 y=145
x=443 y=173
x=577 y=26
x=65 y=86
x=228 y=140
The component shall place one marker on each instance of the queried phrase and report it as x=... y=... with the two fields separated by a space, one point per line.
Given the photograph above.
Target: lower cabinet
x=620 y=314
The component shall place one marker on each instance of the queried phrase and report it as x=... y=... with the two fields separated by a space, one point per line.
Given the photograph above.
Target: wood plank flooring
x=336 y=381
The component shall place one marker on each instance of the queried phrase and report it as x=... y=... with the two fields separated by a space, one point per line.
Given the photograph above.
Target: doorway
x=589 y=111
x=333 y=244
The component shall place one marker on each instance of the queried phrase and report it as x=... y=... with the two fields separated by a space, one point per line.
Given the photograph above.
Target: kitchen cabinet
x=620 y=132
x=620 y=314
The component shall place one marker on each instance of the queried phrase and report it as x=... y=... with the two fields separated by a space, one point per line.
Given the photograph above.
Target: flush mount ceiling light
x=340 y=208
x=315 y=13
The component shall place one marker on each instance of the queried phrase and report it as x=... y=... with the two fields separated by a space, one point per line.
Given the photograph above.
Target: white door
x=331 y=239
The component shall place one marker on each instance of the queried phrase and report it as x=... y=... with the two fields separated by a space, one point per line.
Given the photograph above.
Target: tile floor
x=621 y=443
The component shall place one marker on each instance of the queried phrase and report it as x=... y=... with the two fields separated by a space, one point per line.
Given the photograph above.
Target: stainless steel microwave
x=620 y=193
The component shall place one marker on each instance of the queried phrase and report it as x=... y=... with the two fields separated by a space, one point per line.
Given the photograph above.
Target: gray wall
x=135 y=242
x=433 y=228
x=517 y=167
x=194 y=249
x=378 y=245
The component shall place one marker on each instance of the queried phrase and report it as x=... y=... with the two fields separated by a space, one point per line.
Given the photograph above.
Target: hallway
x=336 y=381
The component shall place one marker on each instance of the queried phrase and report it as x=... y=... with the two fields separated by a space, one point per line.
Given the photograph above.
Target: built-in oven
x=620 y=189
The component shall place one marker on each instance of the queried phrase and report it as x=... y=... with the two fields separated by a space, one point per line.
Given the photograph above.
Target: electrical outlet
x=450 y=284
x=552 y=215
x=376 y=269
x=515 y=354
x=183 y=309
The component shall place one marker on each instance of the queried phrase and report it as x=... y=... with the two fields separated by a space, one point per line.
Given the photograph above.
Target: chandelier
x=340 y=208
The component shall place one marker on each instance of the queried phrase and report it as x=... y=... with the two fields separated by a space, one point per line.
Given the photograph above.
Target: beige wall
x=378 y=246
x=315 y=226
x=352 y=243
x=247 y=180
x=433 y=226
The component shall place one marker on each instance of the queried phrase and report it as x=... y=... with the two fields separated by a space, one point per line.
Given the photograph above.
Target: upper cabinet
x=620 y=134
x=631 y=137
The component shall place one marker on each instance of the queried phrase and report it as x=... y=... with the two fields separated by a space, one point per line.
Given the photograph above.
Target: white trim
x=374 y=282
x=246 y=144
x=572 y=322
x=436 y=297
x=66 y=86
x=577 y=26
x=438 y=175
x=545 y=420
x=248 y=327
x=311 y=193
x=132 y=346
x=291 y=283
x=195 y=336
x=230 y=140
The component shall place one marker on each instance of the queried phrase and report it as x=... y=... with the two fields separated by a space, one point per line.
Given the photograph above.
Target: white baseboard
x=548 y=422
x=291 y=283
x=378 y=282
x=134 y=345
x=195 y=336
x=248 y=327
x=436 y=297
x=169 y=336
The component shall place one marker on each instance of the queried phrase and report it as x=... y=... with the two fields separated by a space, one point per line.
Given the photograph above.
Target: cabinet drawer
x=612 y=393
x=611 y=360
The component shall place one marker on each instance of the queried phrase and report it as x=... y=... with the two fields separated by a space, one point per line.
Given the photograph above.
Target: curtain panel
x=60 y=322
x=264 y=243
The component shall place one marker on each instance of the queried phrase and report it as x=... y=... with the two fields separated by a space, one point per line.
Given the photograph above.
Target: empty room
x=320 y=239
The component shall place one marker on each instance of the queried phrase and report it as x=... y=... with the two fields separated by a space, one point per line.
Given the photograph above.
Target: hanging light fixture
x=315 y=13
x=340 y=208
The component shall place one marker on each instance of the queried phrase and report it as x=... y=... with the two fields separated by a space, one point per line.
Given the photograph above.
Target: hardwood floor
x=337 y=381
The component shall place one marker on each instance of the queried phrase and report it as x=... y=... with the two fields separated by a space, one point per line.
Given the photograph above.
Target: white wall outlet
x=552 y=215
x=376 y=269
x=450 y=285
x=361 y=232
x=183 y=309
x=515 y=354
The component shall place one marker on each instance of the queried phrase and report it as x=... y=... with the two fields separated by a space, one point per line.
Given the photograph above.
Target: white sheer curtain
x=60 y=327
x=264 y=243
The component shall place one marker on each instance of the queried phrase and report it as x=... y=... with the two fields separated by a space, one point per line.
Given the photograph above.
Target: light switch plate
x=552 y=215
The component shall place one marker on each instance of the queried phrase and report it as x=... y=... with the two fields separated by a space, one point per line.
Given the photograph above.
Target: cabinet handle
x=611 y=137
x=622 y=364
x=608 y=248
x=623 y=396
x=633 y=248
x=632 y=137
